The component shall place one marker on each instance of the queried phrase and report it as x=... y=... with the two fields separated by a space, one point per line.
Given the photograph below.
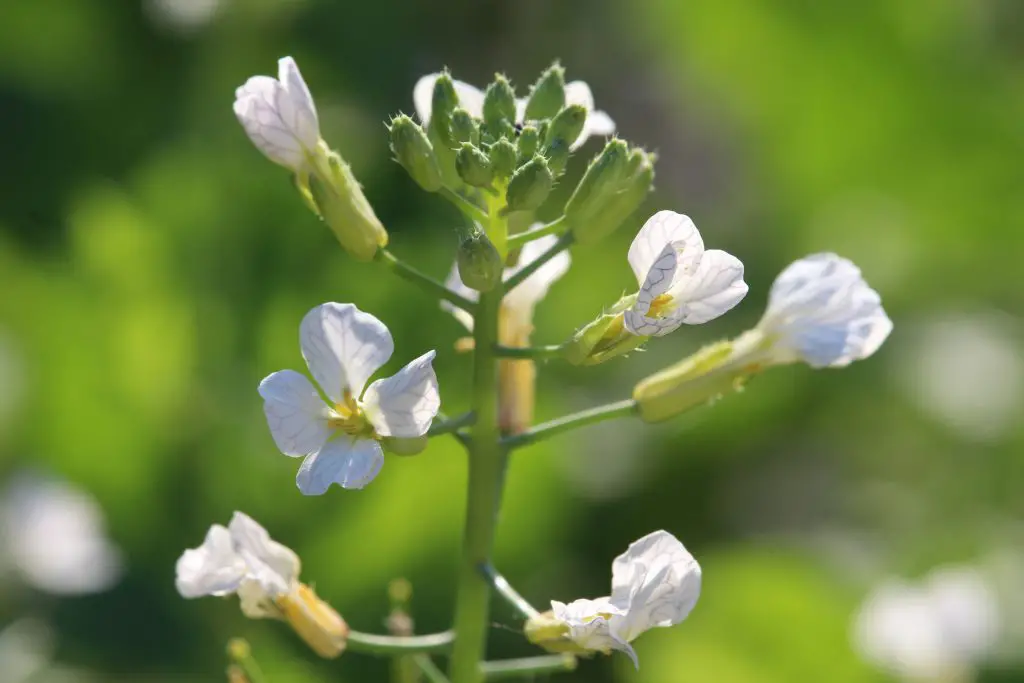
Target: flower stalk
x=527 y=667
x=567 y=423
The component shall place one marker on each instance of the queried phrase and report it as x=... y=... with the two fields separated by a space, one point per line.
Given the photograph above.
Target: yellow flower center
x=660 y=306
x=348 y=418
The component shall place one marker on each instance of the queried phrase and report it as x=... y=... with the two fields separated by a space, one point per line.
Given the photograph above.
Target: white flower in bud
x=821 y=311
x=471 y=99
x=680 y=282
x=339 y=440
x=279 y=115
x=655 y=583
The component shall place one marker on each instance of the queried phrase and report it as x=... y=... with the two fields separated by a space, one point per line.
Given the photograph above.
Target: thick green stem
x=534 y=352
x=530 y=268
x=516 y=241
x=374 y=644
x=573 y=421
x=426 y=282
x=527 y=667
x=485 y=481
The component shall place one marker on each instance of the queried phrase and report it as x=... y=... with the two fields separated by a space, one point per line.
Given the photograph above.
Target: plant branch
x=429 y=669
x=530 y=268
x=518 y=240
x=505 y=590
x=527 y=666
x=573 y=421
x=451 y=425
x=468 y=208
x=407 y=272
x=371 y=643
x=534 y=352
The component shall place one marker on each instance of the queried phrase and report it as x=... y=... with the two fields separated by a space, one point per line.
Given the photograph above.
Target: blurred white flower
x=822 y=312
x=279 y=116
x=184 y=16
x=679 y=281
x=655 y=583
x=471 y=99
x=55 y=537
x=515 y=325
x=343 y=347
x=932 y=630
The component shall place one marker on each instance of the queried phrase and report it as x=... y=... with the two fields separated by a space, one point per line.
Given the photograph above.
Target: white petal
x=599 y=123
x=656 y=582
x=258 y=106
x=350 y=463
x=578 y=92
x=296 y=414
x=214 y=568
x=714 y=288
x=343 y=346
x=305 y=123
x=273 y=565
x=256 y=602
x=405 y=404
x=470 y=98
x=455 y=283
x=521 y=300
x=824 y=313
x=660 y=230
x=588 y=622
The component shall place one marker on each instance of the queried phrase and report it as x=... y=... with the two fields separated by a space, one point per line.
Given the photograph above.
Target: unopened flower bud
x=528 y=143
x=444 y=100
x=479 y=263
x=604 y=338
x=463 y=127
x=414 y=152
x=547 y=97
x=503 y=158
x=473 y=166
x=499 y=104
x=314 y=621
x=412 y=445
x=614 y=186
x=703 y=377
x=566 y=126
x=603 y=177
x=342 y=205
x=530 y=185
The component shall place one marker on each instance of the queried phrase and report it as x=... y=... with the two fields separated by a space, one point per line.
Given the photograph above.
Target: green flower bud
x=614 y=186
x=443 y=103
x=566 y=126
x=528 y=143
x=342 y=205
x=621 y=205
x=464 y=128
x=499 y=104
x=480 y=265
x=414 y=152
x=405 y=445
x=604 y=338
x=503 y=158
x=703 y=377
x=557 y=154
x=547 y=97
x=473 y=166
x=529 y=186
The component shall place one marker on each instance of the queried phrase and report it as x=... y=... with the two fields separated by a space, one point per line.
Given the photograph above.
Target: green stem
x=506 y=591
x=468 y=208
x=569 y=422
x=428 y=283
x=527 y=666
x=429 y=669
x=535 y=352
x=530 y=268
x=484 y=492
x=241 y=655
x=449 y=425
x=516 y=241
x=371 y=643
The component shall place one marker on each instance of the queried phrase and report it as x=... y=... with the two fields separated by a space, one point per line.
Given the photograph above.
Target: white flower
x=240 y=559
x=935 y=629
x=821 y=311
x=655 y=583
x=343 y=347
x=279 y=115
x=54 y=536
x=471 y=99
x=679 y=281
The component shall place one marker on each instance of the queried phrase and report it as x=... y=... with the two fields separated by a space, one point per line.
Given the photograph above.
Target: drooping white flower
x=821 y=311
x=279 y=115
x=933 y=630
x=343 y=347
x=54 y=536
x=655 y=583
x=471 y=99
x=679 y=281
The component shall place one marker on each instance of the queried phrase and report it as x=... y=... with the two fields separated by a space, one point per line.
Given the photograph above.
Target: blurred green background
x=154 y=267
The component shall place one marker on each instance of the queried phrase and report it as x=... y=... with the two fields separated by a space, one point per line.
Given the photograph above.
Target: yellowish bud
x=314 y=621
x=551 y=634
x=604 y=338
